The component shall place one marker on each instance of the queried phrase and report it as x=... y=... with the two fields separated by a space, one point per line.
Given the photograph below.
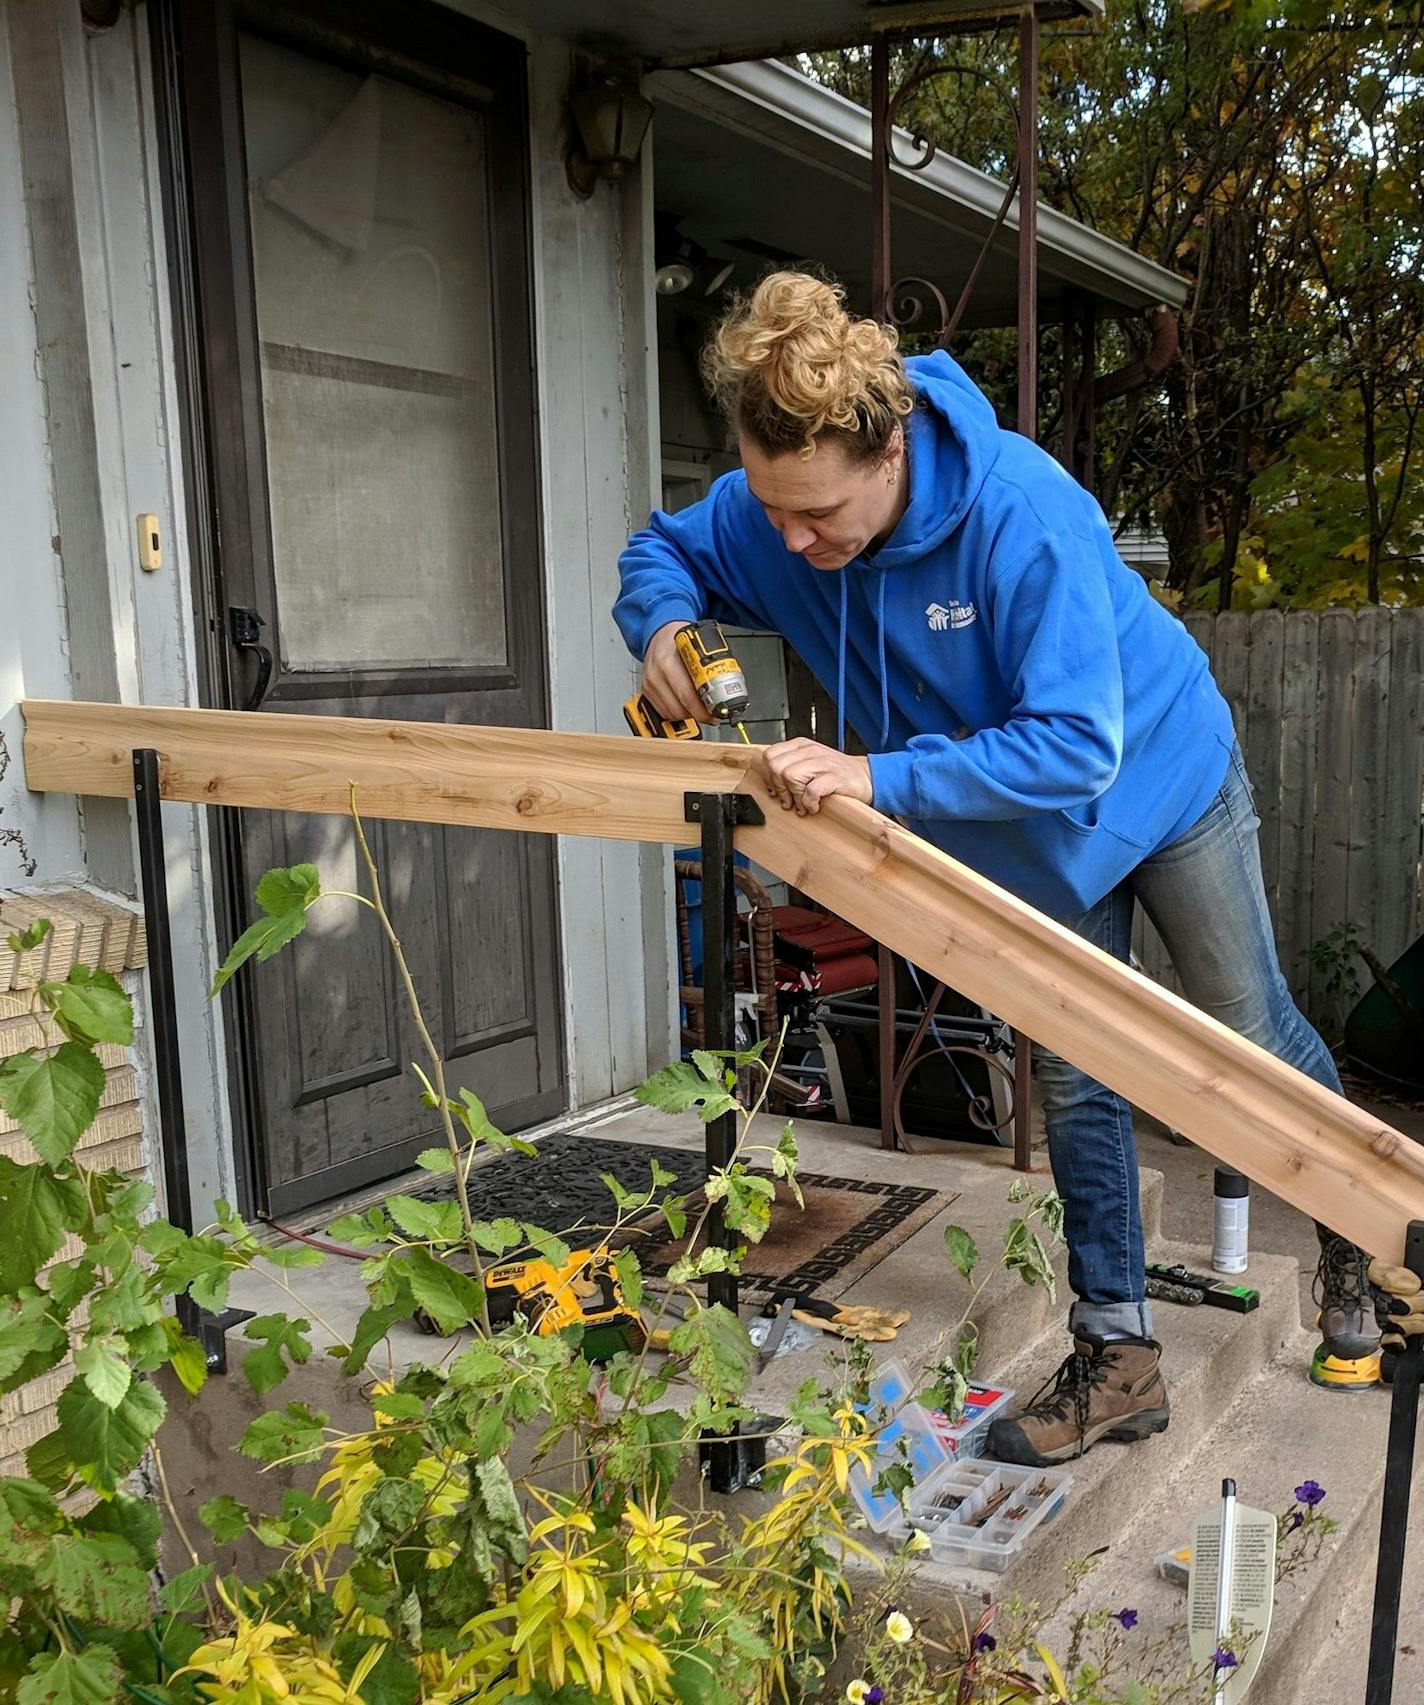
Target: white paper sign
x=1253 y=1593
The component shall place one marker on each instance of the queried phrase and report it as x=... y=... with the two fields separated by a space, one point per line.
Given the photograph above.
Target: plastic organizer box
x=923 y=1440
x=949 y=1510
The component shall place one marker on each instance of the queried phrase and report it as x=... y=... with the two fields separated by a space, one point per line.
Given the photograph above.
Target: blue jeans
x=1205 y=895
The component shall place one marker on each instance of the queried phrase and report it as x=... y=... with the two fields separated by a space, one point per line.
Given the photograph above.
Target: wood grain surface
x=1314 y=1149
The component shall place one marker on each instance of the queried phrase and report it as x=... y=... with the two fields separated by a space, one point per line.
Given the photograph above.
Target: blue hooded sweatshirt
x=1028 y=706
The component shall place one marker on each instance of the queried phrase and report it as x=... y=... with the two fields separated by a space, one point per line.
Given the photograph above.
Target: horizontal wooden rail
x=1310 y=1147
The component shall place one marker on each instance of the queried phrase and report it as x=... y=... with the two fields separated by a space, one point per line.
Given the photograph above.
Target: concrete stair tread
x=1278 y=1431
x=1210 y=1355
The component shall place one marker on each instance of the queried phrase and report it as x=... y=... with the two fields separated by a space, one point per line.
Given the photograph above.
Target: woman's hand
x=799 y=774
x=666 y=680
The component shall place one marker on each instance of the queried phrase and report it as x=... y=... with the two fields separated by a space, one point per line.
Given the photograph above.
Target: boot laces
x=1070 y=1388
x=1342 y=1277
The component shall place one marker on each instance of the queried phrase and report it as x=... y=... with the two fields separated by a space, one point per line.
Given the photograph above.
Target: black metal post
x=1028 y=222
x=731 y=1461
x=167 y=1067
x=1398 y=1482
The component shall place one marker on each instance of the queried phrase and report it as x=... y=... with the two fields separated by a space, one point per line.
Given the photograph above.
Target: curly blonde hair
x=788 y=365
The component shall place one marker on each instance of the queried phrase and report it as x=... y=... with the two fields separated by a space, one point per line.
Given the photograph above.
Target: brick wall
x=92 y=931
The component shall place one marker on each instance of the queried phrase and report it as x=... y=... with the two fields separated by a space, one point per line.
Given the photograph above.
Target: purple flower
x=875 y=1696
x=1309 y=1493
x=985 y=1643
x=1223 y=1659
x=1296 y=1518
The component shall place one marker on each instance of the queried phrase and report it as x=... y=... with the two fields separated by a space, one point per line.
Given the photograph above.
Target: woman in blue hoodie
x=1028 y=707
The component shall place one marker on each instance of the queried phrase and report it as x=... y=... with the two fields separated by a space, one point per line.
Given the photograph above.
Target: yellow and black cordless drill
x=715 y=674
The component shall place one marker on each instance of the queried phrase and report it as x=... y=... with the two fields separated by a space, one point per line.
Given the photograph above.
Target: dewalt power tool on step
x=585 y=1292
x=715 y=674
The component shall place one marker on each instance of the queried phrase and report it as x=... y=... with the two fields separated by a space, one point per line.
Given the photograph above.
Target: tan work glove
x=1399 y=1304
x=850 y=1320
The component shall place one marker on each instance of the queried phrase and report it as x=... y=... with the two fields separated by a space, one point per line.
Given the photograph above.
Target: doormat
x=848 y=1226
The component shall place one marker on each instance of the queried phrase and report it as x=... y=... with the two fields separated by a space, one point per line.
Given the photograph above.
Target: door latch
x=244 y=627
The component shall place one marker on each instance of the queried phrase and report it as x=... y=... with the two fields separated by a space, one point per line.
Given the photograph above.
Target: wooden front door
x=354 y=279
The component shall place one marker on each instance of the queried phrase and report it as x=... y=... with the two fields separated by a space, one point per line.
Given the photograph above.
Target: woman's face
x=827 y=507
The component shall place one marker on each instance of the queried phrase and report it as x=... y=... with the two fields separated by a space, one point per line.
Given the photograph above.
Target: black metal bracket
x=731 y=1461
x=1398 y=1482
x=209 y=1329
x=742 y=807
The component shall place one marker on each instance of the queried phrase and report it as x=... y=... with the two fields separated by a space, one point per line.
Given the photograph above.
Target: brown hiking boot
x=1102 y=1391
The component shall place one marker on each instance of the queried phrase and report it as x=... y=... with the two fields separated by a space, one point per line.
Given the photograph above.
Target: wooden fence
x=1329 y=708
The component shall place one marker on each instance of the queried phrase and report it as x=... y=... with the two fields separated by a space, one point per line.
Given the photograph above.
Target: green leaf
x=224 y=1518
x=187 y=1357
x=264 y=1367
x=284 y=896
x=89 y=1006
x=696 y=1678
x=452 y=1299
x=22 y=1323
x=470 y=1111
x=28 y=1504
x=105 y=1443
x=389 y=1510
x=36 y=1209
x=295 y=1431
x=496 y=1236
x=681 y=1088
x=97 y=1579
x=29 y=939
x=630 y=1277
x=281 y=892
x=185 y=1592
x=720 y=1352
x=710 y=1066
x=53 y=1099
x=88 y=1677
x=137 y=1520
x=364 y=1231
x=963 y=1251
x=370 y=1329
x=435 y=1160
x=436 y=1222
x=200 y=1266
x=104 y=1371
x=554 y=1250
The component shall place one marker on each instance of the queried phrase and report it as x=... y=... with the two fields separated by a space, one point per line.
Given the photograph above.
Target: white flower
x=918 y=1541
x=857 y=1691
x=899 y=1627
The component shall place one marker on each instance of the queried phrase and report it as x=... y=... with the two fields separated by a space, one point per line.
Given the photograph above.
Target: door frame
x=194 y=47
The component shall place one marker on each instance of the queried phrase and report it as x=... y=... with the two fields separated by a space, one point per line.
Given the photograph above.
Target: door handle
x=244 y=628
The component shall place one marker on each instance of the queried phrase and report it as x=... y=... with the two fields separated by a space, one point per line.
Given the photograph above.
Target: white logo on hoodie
x=956 y=616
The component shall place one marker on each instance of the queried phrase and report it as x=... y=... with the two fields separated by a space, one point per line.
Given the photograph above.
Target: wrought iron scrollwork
x=908 y=304
x=926 y=145
x=907 y=301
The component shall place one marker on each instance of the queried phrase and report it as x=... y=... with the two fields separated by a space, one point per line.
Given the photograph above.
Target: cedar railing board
x=1306 y=1145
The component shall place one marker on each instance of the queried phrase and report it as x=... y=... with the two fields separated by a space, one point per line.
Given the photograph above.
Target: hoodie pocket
x=1086 y=820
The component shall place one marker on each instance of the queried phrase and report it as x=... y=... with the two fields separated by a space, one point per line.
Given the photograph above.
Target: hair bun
x=788 y=363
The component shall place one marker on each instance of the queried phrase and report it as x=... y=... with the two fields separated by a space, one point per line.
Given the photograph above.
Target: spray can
x=1233 y=1218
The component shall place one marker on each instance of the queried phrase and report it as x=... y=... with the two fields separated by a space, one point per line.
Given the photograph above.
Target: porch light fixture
x=610 y=121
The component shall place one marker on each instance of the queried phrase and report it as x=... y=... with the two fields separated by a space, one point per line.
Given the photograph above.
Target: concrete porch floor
x=1241 y=1402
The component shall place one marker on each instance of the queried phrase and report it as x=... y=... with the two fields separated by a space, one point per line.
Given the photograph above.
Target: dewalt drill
x=717 y=677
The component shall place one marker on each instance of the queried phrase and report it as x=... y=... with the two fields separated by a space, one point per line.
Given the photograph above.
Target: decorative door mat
x=848 y=1226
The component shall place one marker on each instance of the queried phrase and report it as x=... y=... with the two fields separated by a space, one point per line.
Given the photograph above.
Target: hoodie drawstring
x=884 y=678
x=841 y=668
x=841 y=663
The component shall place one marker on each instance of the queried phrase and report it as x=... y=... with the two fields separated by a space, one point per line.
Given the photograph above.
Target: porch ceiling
x=677 y=33
x=758 y=162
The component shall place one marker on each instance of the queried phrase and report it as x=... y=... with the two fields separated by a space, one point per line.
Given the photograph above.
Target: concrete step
x=1277 y=1431
x=1209 y=1357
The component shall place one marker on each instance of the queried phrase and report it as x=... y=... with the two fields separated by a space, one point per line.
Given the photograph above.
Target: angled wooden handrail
x=1331 y=1159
